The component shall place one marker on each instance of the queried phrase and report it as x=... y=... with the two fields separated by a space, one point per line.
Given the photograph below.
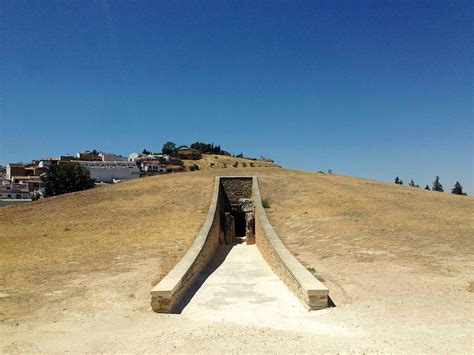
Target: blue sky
x=366 y=88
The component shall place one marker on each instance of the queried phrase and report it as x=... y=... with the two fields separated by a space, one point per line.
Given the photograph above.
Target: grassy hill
x=213 y=161
x=385 y=251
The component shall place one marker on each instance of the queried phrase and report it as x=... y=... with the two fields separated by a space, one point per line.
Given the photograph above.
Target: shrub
x=36 y=196
x=457 y=189
x=61 y=179
x=244 y=165
x=236 y=164
x=252 y=165
x=265 y=203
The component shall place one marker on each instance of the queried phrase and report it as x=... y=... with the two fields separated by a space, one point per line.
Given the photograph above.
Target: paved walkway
x=243 y=289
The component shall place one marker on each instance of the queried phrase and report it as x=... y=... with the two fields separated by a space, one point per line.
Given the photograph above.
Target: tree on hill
x=412 y=183
x=398 y=181
x=437 y=185
x=168 y=148
x=457 y=189
x=427 y=187
x=146 y=151
x=61 y=179
x=206 y=147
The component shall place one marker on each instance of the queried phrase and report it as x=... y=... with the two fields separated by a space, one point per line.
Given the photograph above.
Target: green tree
x=412 y=183
x=61 y=179
x=457 y=189
x=94 y=152
x=146 y=151
x=205 y=147
x=398 y=181
x=168 y=148
x=427 y=187
x=437 y=185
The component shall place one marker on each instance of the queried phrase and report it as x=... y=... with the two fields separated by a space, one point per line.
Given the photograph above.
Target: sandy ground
x=398 y=262
x=113 y=316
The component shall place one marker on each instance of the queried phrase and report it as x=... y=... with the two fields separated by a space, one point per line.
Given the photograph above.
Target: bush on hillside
x=71 y=177
x=194 y=167
x=457 y=189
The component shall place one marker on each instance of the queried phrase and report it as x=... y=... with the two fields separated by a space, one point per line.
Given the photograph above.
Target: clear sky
x=366 y=88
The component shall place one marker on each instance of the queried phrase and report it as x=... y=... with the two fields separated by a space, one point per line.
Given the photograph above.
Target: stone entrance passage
x=239 y=211
x=236 y=224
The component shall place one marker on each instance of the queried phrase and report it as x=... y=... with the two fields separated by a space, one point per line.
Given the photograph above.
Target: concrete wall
x=169 y=292
x=312 y=293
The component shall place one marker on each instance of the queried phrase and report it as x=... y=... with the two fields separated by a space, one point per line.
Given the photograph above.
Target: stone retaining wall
x=169 y=292
x=236 y=188
x=167 y=295
x=312 y=293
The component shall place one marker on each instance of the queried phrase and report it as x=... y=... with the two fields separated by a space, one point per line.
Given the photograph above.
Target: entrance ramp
x=236 y=251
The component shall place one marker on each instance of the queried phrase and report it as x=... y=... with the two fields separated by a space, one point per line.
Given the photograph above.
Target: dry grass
x=212 y=161
x=329 y=215
x=397 y=252
x=330 y=222
x=45 y=244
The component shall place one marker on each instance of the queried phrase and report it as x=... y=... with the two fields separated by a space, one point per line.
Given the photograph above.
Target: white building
x=134 y=156
x=107 y=171
x=111 y=157
x=152 y=167
x=14 y=191
x=44 y=163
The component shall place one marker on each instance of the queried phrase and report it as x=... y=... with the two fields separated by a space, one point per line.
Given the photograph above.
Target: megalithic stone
x=229 y=236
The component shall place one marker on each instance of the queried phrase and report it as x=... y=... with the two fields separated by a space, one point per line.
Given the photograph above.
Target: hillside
x=397 y=260
x=213 y=161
